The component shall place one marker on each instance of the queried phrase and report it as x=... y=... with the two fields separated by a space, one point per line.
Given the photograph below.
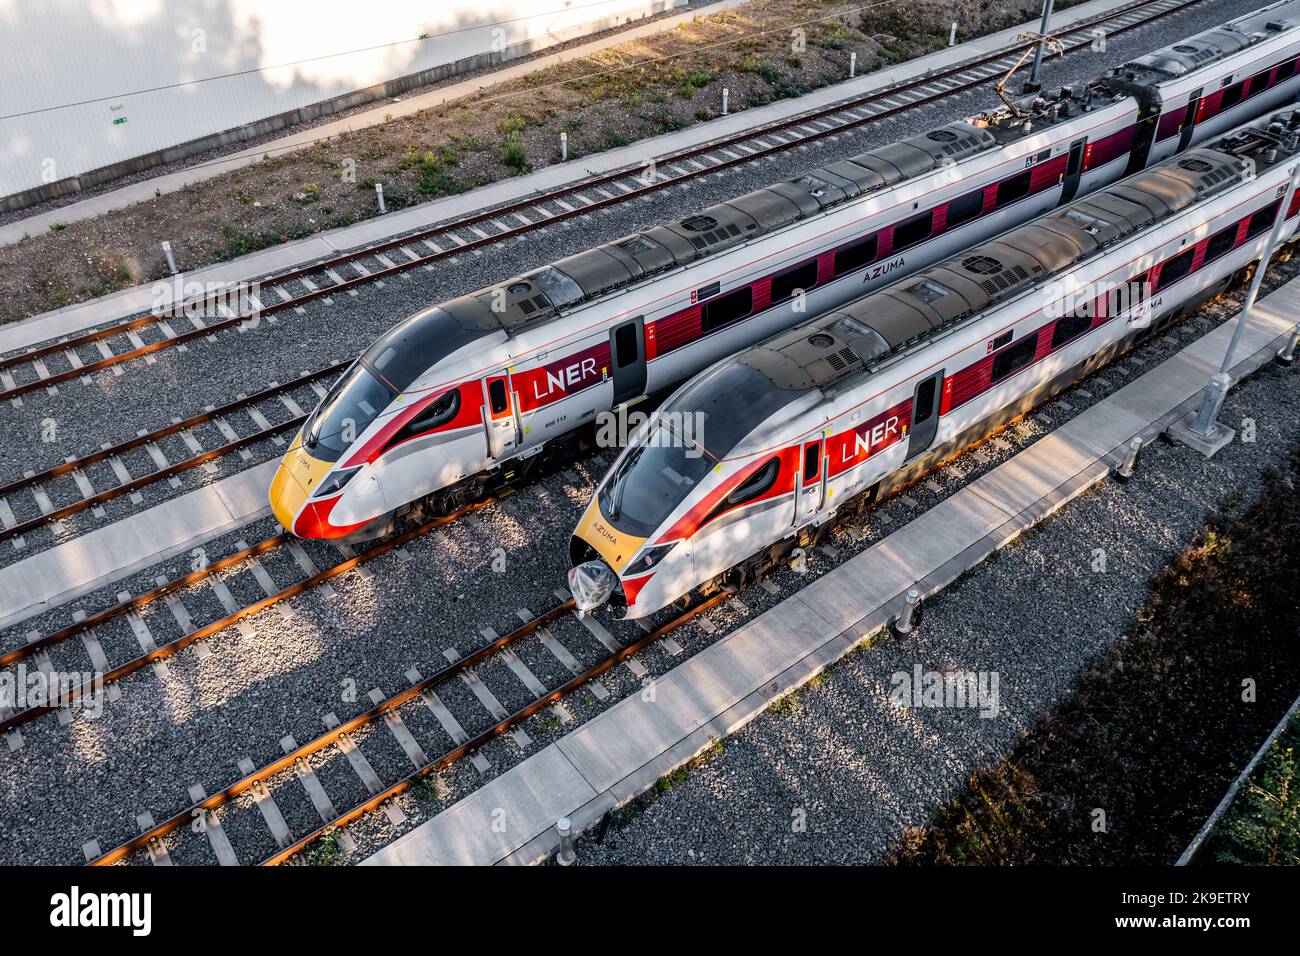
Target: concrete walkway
x=622 y=752
x=109 y=554
x=77 y=318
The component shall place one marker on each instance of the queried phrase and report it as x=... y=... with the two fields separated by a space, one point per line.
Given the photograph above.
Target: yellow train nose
x=616 y=547
x=299 y=473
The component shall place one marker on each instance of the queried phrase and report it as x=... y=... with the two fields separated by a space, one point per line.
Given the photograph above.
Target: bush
x=514 y=154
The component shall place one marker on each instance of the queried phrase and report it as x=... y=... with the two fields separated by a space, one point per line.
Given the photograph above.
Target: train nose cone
x=299 y=473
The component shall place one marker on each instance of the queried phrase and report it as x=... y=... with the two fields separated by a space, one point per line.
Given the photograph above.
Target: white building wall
x=85 y=84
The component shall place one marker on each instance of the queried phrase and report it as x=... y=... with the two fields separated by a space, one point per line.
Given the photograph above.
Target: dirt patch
x=626 y=93
x=1158 y=728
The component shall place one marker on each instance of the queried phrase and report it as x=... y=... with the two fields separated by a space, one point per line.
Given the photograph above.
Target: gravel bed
x=295 y=667
x=856 y=768
x=181 y=383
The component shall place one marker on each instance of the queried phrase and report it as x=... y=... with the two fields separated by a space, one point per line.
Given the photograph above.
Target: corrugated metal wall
x=88 y=83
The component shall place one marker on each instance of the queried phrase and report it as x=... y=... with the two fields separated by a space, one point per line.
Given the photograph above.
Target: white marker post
x=726 y=96
x=171 y=260
x=952 y=34
x=853 y=65
x=564 y=147
x=379 y=194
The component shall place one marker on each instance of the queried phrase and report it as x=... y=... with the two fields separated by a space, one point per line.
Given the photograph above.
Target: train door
x=925 y=415
x=499 y=415
x=1189 y=121
x=812 y=481
x=1073 y=170
x=627 y=355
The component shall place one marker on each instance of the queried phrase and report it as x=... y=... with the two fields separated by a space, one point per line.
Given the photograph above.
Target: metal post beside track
x=1125 y=470
x=1202 y=431
x=566 y=856
x=904 y=623
x=1287 y=355
x=1033 y=86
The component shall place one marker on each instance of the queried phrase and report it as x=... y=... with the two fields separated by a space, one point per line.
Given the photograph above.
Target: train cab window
x=437 y=414
x=1017 y=187
x=812 y=460
x=1013 y=358
x=855 y=256
x=497 y=396
x=964 y=208
x=1176 y=268
x=785 y=284
x=759 y=483
x=1070 y=327
x=724 y=310
x=1262 y=220
x=1221 y=242
x=914 y=230
x=625 y=345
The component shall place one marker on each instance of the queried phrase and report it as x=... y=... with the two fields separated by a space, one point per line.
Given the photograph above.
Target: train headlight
x=648 y=559
x=335 y=482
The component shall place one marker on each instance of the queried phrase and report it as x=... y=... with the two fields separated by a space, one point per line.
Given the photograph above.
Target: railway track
x=41 y=498
x=107 y=674
x=111 y=346
x=254 y=781
x=421 y=689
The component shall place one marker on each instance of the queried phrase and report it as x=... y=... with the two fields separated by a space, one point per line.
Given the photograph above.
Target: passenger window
x=855 y=256
x=625 y=345
x=1176 y=268
x=965 y=208
x=726 y=309
x=1013 y=358
x=914 y=230
x=756 y=484
x=924 y=407
x=802 y=276
x=1262 y=221
x=497 y=396
x=812 y=460
x=1069 y=327
x=1284 y=71
x=1232 y=96
x=1017 y=187
x=1221 y=242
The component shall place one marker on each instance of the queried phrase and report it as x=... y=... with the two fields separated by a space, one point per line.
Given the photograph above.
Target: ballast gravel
x=834 y=773
x=287 y=669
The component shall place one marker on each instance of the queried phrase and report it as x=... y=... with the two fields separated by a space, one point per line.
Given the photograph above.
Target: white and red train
x=469 y=393
x=829 y=415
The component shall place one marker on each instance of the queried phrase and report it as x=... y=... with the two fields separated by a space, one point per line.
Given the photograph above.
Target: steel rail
x=177 y=468
x=290 y=759
x=588 y=206
x=163 y=651
x=486 y=736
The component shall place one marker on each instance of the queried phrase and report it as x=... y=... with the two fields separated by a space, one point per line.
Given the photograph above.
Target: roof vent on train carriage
x=995 y=276
x=699 y=223
x=981 y=265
